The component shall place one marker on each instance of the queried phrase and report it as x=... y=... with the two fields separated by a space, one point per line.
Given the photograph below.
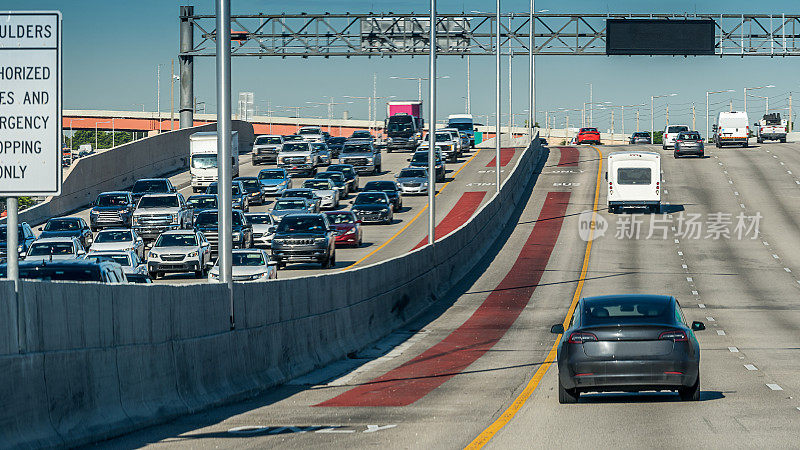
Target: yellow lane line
x=512 y=410
x=415 y=217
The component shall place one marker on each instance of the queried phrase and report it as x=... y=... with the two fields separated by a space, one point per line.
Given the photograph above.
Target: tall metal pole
x=468 y=88
x=186 y=68
x=788 y=123
x=531 y=77
x=12 y=241
x=172 y=95
x=158 y=95
x=432 y=130
x=510 y=87
x=224 y=156
x=498 y=135
x=591 y=106
x=652 y=122
x=708 y=135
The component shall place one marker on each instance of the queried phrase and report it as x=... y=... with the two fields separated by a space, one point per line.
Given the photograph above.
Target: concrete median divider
x=85 y=362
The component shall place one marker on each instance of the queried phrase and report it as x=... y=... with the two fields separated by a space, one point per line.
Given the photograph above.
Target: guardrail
x=85 y=362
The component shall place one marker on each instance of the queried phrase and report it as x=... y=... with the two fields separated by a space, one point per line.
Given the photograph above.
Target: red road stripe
x=416 y=378
x=505 y=157
x=569 y=156
x=461 y=212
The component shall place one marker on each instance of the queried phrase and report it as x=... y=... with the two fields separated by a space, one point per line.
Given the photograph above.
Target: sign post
x=30 y=113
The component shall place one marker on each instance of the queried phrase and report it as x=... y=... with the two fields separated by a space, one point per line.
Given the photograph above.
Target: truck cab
x=465 y=123
x=299 y=157
x=203 y=158
x=403 y=126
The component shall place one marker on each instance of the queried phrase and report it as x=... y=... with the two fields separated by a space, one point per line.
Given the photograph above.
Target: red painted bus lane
x=569 y=157
x=464 y=209
x=488 y=324
x=506 y=154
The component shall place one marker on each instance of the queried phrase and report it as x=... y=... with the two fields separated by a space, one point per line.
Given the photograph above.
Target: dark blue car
x=112 y=210
x=68 y=227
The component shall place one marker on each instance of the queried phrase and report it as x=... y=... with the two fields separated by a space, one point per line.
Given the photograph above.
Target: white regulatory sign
x=30 y=103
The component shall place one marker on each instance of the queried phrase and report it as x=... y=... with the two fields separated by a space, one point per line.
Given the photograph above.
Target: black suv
x=112 y=209
x=151 y=186
x=304 y=238
x=207 y=223
x=349 y=172
x=391 y=190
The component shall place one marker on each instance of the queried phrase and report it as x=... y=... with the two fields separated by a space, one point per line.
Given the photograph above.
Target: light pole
x=158 y=94
x=708 y=132
x=753 y=89
x=432 y=128
x=652 y=121
x=173 y=79
x=419 y=82
x=497 y=135
x=95 y=132
x=591 y=105
x=766 y=106
x=622 y=118
x=531 y=70
x=330 y=109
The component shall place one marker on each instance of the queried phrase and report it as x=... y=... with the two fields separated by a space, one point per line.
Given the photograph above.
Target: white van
x=732 y=128
x=203 y=158
x=634 y=180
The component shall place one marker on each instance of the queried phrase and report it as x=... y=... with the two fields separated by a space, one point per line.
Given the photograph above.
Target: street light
x=419 y=83
x=652 y=122
x=708 y=132
x=752 y=89
x=330 y=109
x=766 y=107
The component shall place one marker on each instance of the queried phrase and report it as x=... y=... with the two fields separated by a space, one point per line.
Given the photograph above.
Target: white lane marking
x=710 y=319
x=719 y=162
x=733 y=349
x=796 y=181
x=741 y=204
x=764 y=242
x=665 y=191
x=374 y=428
x=334 y=430
x=680 y=253
x=789 y=172
x=689 y=279
x=701 y=305
x=730 y=181
x=677 y=241
x=775 y=256
x=750 y=367
x=721 y=332
x=787 y=269
x=695 y=293
x=774 y=156
x=774 y=387
x=782 y=163
x=480 y=184
x=684 y=266
x=724 y=171
x=735 y=193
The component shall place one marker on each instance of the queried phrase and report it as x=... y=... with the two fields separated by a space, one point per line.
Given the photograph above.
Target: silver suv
x=299 y=157
x=156 y=213
x=362 y=155
x=179 y=251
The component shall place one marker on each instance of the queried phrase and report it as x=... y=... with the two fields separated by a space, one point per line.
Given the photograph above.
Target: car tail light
x=579 y=337
x=674 y=335
x=673 y=373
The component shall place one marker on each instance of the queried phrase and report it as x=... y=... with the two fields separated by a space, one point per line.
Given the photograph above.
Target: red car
x=347 y=227
x=588 y=136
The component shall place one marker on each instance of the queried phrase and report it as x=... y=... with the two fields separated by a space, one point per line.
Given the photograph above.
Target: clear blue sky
x=112 y=48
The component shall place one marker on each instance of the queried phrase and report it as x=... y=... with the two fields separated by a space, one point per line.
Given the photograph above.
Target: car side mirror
x=557 y=328
x=698 y=326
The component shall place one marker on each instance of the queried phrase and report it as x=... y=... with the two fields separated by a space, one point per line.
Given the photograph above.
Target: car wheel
x=567 y=396
x=199 y=273
x=691 y=393
x=675 y=155
x=326 y=263
x=663 y=147
x=702 y=154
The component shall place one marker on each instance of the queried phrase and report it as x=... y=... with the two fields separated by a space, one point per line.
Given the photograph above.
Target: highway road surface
x=475 y=370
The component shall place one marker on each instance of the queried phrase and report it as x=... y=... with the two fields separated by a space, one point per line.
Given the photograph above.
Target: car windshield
x=4 y=233
x=48 y=248
x=317 y=184
x=268 y=140
x=337 y=140
x=212 y=189
x=62 y=225
x=209 y=219
x=161 y=201
x=120 y=259
x=107 y=200
x=380 y=186
x=113 y=236
x=346 y=171
x=642 y=134
x=440 y=137
x=249 y=259
x=150 y=186
x=461 y=126
x=399 y=125
x=302 y=224
x=208 y=161
x=588 y=130
x=694 y=136
x=336 y=177
x=262 y=219
x=357 y=148
x=271 y=175
x=202 y=202
x=309 y=131
x=250 y=184
x=369 y=197
x=296 y=147
x=301 y=194
x=319 y=146
x=412 y=173
x=633 y=175
x=676 y=129
x=285 y=205
x=176 y=240
x=361 y=135
x=292 y=137
x=422 y=157
x=613 y=311
x=342 y=217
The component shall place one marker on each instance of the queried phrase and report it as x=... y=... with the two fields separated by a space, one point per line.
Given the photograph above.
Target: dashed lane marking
x=721 y=332
x=750 y=367
x=710 y=319
x=701 y=305
x=733 y=349
x=774 y=387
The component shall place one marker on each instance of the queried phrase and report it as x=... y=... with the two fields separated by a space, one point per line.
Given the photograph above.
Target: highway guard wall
x=86 y=362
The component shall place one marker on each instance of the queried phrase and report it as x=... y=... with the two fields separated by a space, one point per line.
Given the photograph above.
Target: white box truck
x=732 y=128
x=203 y=158
x=634 y=180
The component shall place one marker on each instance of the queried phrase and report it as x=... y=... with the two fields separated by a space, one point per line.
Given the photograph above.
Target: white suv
x=671 y=133
x=179 y=251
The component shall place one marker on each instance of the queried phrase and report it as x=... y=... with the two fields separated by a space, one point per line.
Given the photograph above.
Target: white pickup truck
x=771 y=128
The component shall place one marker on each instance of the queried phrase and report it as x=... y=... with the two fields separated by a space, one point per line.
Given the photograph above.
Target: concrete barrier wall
x=120 y=167
x=90 y=361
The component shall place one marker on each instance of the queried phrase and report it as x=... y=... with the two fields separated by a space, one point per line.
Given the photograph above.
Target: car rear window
x=676 y=129
x=607 y=311
x=633 y=175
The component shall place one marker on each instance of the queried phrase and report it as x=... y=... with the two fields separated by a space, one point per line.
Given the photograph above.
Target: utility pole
x=612 y=126
x=730 y=107
x=510 y=87
x=374 y=95
x=637 y=119
x=591 y=106
x=186 y=64
x=789 y=122
x=693 y=117
x=172 y=96
x=667 y=122
x=158 y=95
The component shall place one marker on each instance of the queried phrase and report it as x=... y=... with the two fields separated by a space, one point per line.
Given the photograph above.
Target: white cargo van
x=203 y=158
x=634 y=180
x=732 y=128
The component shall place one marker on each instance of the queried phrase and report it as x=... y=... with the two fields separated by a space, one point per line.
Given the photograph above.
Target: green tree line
x=104 y=138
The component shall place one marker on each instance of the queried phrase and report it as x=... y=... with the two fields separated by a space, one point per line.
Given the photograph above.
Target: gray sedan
x=413 y=180
x=689 y=143
x=628 y=343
